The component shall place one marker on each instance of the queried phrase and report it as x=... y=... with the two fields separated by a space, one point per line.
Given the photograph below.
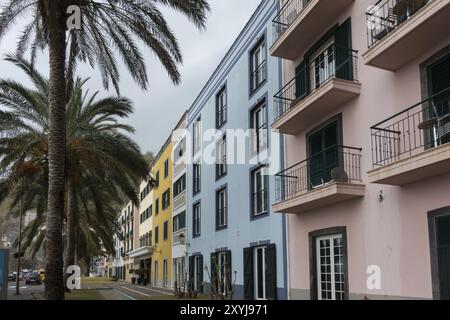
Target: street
x=94 y=291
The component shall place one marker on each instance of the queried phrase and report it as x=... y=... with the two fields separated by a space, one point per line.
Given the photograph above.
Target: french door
x=260 y=273
x=330 y=267
x=323 y=154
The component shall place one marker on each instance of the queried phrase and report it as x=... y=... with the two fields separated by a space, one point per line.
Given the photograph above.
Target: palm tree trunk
x=54 y=287
x=70 y=231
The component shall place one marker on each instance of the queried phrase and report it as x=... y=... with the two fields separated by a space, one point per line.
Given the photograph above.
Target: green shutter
x=248 y=274
x=191 y=271
x=229 y=269
x=271 y=272
x=200 y=273
x=214 y=271
x=302 y=80
x=343 y=45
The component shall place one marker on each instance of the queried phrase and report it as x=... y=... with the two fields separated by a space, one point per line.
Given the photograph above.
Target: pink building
x=366 y=115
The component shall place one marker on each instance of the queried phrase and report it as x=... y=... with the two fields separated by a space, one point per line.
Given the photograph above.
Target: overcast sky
x=158 y=109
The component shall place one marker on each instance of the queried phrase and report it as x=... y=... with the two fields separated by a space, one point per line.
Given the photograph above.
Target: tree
x=102 y=162
x=105 y=26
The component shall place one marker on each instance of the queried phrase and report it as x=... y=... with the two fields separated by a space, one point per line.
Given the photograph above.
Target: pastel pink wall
x=392 y=234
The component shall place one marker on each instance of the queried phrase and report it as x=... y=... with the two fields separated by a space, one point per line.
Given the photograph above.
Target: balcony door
x=439 y=87
x=323 y=153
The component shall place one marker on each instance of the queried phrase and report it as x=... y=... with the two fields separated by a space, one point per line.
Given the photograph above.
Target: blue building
x=235 y=242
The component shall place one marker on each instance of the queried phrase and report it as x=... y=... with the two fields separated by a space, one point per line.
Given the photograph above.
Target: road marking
x=135 y=291
x=124 y=294
x=150 y=289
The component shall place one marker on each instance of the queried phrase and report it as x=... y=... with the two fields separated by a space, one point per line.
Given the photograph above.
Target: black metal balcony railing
x=337 y=163
x=287 y=15
x=386 y=15
x=334 y=62
x=258 y=76
x=422 y=126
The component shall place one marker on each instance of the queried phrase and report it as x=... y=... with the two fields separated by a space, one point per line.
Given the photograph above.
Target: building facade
x=162 y=217
x=141 y=254
x=179 y=201
x=235 y=241
x=364 y=110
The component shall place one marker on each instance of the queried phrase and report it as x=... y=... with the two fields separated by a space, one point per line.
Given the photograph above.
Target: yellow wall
x=163 y=249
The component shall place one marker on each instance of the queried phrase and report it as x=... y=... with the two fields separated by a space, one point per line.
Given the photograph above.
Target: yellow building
x=162 y=217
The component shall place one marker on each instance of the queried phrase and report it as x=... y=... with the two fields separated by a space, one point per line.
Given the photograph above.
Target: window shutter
x=271 y=272
x=248 y=274
x=343 y=44
x=229 y=269
x=214 y=271
x=302 y=80
x=191 y=271
x=200 y=272
x=217 y=209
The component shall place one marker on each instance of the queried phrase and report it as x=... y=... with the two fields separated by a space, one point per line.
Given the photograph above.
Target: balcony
x=141 y=252
x=329 y=177
x=401 y=30
x=301 y=22
x=413 y=144
x=318 y=89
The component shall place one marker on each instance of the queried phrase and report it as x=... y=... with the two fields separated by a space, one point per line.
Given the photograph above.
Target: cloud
x=158 y=109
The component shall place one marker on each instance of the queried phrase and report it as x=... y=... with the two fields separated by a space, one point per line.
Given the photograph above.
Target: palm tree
x=106 y=27
x=101 y=160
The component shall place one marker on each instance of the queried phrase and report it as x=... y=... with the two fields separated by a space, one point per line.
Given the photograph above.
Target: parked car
x=33 y=278
x=11 y=277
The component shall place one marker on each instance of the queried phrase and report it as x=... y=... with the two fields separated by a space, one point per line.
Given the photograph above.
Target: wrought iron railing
x=422 y=126
x=334 y=164
x=386 y=15
x=287 y=15
x=333 y=62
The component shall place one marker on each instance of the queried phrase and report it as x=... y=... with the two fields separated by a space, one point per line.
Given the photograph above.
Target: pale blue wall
x=241 y=231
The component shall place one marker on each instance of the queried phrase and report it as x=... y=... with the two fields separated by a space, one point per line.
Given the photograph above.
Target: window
x=259 y=127
x=179 y=270
x=156 y=274
x=196 y=271
x=179 y=186
x=330 y=267
x=221 y=208
x=165 y=273
x=323 y=66
x=221 y=157
x=157 y=180
x=221 y=107
x=196 y=218
x=179 y=221
x=157 y=206
x=324 y=153
x=259 y=195
x=257 y=65
x=166 y=199
x=196 y=178
x=166 y=168
x=156 y=234
x=166 y=230
x=197 y=135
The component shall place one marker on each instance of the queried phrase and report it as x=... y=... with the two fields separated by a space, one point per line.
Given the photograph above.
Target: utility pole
x=19 y=247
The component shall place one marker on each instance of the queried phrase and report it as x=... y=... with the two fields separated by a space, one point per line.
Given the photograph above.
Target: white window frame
x=259 y=126
x=256 y=272
x=221 y=271
x=328 y=69
x=222 y=208
x=221 y=106
x=197 y=217
x=259 y=172
x=258 y=60
x=197 y=136
x=331 y=239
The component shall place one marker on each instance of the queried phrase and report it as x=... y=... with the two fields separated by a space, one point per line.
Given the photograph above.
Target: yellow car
x=42 y=274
